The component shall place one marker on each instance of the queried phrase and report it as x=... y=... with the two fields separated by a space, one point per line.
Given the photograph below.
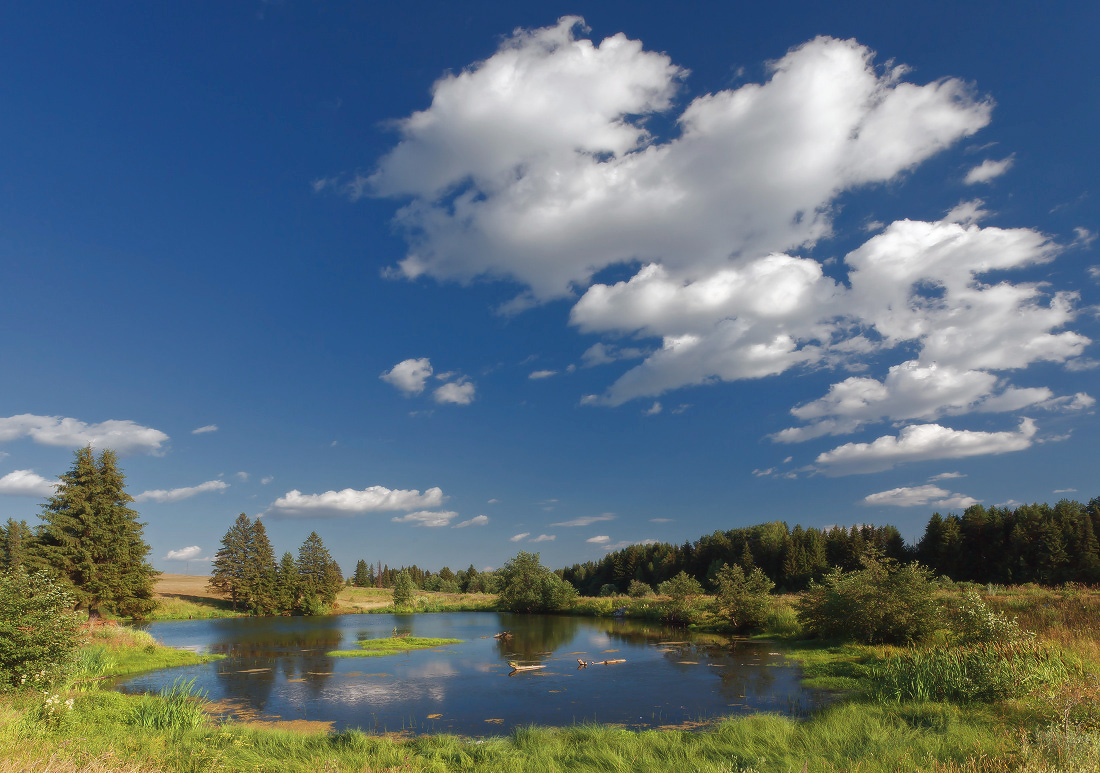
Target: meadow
x=1030 y=704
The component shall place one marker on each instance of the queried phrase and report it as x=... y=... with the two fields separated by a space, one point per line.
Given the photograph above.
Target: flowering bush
x=39 y=633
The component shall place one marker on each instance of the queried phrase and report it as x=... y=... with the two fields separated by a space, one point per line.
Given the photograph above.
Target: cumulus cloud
x=599 y=540
x=25 y=483
x=122 y=436
x=586 y=520
x=520 y=536
x=544 y=538
x=988 y=170
x=920 y=442
x=477 y=520
x=427 y=518
x=349 y=502
x=541 y=374
x=268 y=479
x=409 y=376
x=176 y=494
x=459 y=392
x=185 y=554
x=929 y=496
x=537 y=165
x=205 y=429
x=654 y=409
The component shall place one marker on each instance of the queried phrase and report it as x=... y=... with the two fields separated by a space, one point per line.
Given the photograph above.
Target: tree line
x=1048 y=544
x=446 y=580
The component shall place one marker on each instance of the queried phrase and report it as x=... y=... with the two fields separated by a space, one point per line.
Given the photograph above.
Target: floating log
x=503 y=635
x=587 y=663
x=517 y=667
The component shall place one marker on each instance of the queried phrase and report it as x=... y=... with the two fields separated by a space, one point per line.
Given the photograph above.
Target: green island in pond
x=374 y=648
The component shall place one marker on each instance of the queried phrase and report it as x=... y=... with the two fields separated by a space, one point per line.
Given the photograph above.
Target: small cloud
x=913 y=496
x=267 y=480
x=872 y=226
x=1094 y=272
x=541 y=374
x=334 y=443
x=477 y=520
x=1065 y=491
x=681 y=408
x=628 y=543
x=204 y=430
x=602 y=354
x=427 y=518
x=459 y=392
x=175 y=495
x=544 y=538
x=493 y=501
x=191 y=553
x=586 y=520
x=242 y=475
x=763 y=473
x=26 y=483
x=660 y=520
x=599 y=540
x=788 y=460
x=409 y=375
x=967 y=212
x=946 y=476
x=520 y=536
x=1083 y=237
x=988 y=170
x=654 y=409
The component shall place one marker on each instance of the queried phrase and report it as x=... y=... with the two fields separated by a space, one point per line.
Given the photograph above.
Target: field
x=1053 y=725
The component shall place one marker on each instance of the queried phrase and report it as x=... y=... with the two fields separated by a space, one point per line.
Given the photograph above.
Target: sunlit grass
x=373 y=648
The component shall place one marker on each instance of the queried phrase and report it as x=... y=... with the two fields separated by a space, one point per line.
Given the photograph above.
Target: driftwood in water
x=517 y=667
x=503 y=635
x=587 y=663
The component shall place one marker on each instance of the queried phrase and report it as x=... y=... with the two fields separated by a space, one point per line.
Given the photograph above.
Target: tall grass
x=176 y=707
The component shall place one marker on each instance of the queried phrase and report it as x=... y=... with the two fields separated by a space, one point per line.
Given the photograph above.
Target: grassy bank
x=1054 y=725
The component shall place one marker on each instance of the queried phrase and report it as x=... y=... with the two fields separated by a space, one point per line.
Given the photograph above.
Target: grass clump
x=176 y=707
x=373 y=648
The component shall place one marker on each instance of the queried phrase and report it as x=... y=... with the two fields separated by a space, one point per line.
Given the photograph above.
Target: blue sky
x=447 y=281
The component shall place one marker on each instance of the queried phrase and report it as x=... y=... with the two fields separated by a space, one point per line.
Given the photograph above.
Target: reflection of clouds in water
x=600 y=639
x=413 y=682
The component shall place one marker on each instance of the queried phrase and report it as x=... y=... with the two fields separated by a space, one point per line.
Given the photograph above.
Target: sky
x=447 y=281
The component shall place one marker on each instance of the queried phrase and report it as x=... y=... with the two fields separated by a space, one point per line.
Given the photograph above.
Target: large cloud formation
x=122 y=436
x=535 y=165
x=349 y=502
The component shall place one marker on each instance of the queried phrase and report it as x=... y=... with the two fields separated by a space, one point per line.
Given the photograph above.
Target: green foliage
x=15 y=537
x=94 y=541
x=177 y=707
x=369 y=648
x=38 y=632
x=244 y=569
x=318 y=573
x=288 y=586
x=527 y=586
x=639 y=590
x=403 y=591
x=683 y=592
x=608 y=590
x=882 y=603
x=973 y=622
x=229 y=570
x=743 y=600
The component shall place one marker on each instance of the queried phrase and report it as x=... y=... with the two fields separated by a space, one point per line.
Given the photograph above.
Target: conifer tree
x=288 y=585
x=229 y=574
x=362 y=574
x=315 y=570
x=260 y=572
x=15 y=539
x=94 y=540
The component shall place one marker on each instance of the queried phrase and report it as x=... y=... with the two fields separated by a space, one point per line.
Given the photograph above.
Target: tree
x=362 y=574
x=403 y=591
x=260 y=572
x=94 y=540
x=15 y=539
x=288 y=584
x=528 y=586
x=743 y=599
x=230 y=569
x=319 y=575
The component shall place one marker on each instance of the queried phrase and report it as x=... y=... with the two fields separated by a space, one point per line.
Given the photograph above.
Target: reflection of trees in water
x=276 y=645
x=534 y=634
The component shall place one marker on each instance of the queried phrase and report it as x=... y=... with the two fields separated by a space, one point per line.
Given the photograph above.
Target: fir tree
x=315 y=570
x=94 y=541
x=362 y=574
x=260 y=571
x=230 y=569
x=15 y=539
x=288 y=586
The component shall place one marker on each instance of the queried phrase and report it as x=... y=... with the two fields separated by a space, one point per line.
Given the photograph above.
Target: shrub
x=39 y=633
x=682 y=591
x=882 y=603
x=403 y=590
x=608 y=590
x=973 y=622
x=527 y=586
x=639 y=590
x=743 y=599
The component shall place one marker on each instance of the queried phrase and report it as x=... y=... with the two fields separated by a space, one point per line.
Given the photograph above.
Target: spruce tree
x=288 y=584
x=260 y=572
x=94 y=541
x=362 y=574
x=15 y=539
x=316 y=571
x=230 y=569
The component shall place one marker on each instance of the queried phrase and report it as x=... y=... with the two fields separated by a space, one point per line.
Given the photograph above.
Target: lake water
x=276 y=668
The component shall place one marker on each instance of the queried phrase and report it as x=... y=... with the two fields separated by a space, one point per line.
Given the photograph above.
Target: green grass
x=192 y=608
x=373 y=648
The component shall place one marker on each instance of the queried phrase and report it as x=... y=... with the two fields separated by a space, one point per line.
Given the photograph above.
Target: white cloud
x=946 y=476
x=586 y=520
x=654 y=409
x=598 y=540
x=541 y=374
x=26 y=483
x=241 y=475
x=660 y=520
x=185 y=554
x=176 y=494
x=122 y=436
x=493 y=501
x=1083 y=237
x=348 y=502
x=520 y=536
x=920 y=442
x=988 y=170
x=427 y=518
x=409 y=375
x=628 y=543
x=966 y=212
x=1065 y=491
x=601 y=354
x=268 y=479
x=930 y=496
x=477 y=520
x=205 y=429
x=456 y=393
x=544 y=538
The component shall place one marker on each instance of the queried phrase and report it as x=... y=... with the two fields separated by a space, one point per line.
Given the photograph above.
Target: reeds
x=176 y=707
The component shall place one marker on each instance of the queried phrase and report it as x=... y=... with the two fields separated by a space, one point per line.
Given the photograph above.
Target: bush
x=403 y=590
x=743 y=600
x=973 y=622
x=528 y=586
x=682 y=591
x=639 y=590
x=608 y=590
x=882 y=603
x=39 y=633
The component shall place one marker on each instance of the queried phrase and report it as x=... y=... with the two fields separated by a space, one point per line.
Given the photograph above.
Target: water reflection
x=277 y=667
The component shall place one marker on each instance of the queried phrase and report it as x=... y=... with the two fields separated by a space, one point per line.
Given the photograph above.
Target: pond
x=276 y=669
